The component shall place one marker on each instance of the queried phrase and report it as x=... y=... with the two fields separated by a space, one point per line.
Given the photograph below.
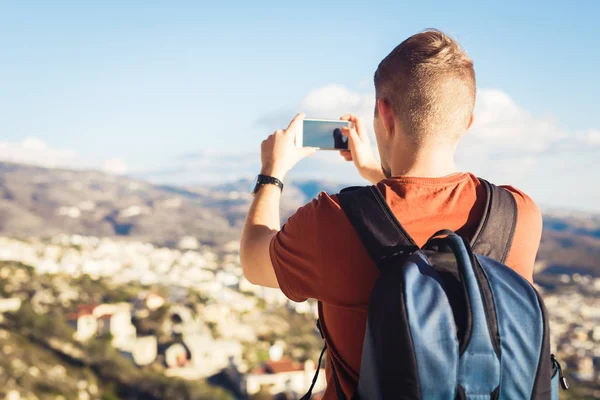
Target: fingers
x=358 y=125
x=346 y=155
x=351 y=134
x=296 y=121
x=349 y=117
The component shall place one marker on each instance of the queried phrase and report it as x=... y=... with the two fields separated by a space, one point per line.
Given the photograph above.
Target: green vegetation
x=301 y=335
x=577 y=392
x=52 y=324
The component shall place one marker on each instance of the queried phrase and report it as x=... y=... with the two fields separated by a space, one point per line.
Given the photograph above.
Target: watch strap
x=268 y=180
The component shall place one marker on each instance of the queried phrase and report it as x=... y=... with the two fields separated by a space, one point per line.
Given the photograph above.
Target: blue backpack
x=449 y=320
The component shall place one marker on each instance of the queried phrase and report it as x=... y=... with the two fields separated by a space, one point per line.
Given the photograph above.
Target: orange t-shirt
x=317 y=254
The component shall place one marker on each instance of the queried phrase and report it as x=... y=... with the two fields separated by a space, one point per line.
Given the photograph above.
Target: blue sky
x=178 y=91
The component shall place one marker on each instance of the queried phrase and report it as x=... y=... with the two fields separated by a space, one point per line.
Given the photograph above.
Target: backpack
x=449 y=320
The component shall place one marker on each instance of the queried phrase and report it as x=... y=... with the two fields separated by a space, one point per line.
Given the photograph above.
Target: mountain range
x=43 y=202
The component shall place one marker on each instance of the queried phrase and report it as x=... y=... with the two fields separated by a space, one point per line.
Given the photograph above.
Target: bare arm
x=279 y=155
x=262 y=224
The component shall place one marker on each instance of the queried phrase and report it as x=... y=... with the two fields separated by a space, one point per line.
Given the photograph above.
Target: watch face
x=253 y=187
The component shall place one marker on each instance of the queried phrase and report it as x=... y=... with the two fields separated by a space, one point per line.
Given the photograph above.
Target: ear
x=471 y=121
x=387 y=116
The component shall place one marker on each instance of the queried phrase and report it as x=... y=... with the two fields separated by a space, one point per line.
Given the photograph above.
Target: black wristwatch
x=261 y=180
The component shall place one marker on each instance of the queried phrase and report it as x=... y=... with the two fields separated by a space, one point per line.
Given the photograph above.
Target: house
x=306 y=307
x=245 y=286
x=188 y=243
x=86 y=327
x=144 y=350
x=154 y=301
x=104 y=319
x=216 y=313
x=13 y=395
x=274 y=296
x=282 y=376
x=43 y=300
x=10 y=305
x=232 y=247
x=84 y=322
x=204 y=356
x=234 y=330
x=209 y=356
x=595 y=334
x=585 y=369
x=119 y=326
x=176 y=356
x=227 y=278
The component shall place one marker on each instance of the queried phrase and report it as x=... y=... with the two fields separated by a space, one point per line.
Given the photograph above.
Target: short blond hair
x=429 y=82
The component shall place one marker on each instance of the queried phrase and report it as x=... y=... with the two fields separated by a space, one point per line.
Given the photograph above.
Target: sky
x=183 y=92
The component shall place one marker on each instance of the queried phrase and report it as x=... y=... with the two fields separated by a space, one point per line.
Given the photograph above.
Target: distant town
x=194 y=314
x=197 y=339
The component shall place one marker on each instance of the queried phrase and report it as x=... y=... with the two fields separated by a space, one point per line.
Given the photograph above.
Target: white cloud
x=593 y=137
x=115 y=166
x=34 y=151
x=502 y=127
x=206 y=166
x=509 y=145
x=588 y=141
x=505 y=144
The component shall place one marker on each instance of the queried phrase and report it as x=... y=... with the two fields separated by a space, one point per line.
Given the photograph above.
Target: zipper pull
x=563 y=381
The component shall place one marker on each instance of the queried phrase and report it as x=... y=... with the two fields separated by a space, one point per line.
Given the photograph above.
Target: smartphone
x=324 y=134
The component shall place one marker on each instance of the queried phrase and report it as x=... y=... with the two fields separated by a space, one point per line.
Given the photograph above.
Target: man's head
x=425 y=90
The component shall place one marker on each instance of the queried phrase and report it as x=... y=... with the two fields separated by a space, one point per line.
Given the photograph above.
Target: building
x=144 y=350
x=154 y=301
x=84 y=322
x=209 y=356
x=176 y=356
x=10 y=305
x=188 y=243
x=284 y=376
x=104 y=319
x=585 y=369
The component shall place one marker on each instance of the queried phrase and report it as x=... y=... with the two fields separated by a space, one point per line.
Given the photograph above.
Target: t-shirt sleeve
x=295 y=254
x=528 y=234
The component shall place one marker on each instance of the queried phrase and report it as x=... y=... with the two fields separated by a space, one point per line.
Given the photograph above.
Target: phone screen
x=324 y=134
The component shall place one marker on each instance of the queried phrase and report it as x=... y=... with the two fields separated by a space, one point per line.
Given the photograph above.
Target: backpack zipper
x=563 y=381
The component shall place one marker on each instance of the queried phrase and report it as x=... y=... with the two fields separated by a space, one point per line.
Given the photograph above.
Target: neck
x=422 y=161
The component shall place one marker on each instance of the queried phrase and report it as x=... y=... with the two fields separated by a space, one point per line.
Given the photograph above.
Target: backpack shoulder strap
x=496 y=231
x=376 y=225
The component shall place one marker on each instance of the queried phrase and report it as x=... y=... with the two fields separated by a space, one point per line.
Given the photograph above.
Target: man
x=425 y=92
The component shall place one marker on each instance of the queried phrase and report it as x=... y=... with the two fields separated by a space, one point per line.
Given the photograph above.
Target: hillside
x=570 y=243
x=41 y=358
x=43 y=202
